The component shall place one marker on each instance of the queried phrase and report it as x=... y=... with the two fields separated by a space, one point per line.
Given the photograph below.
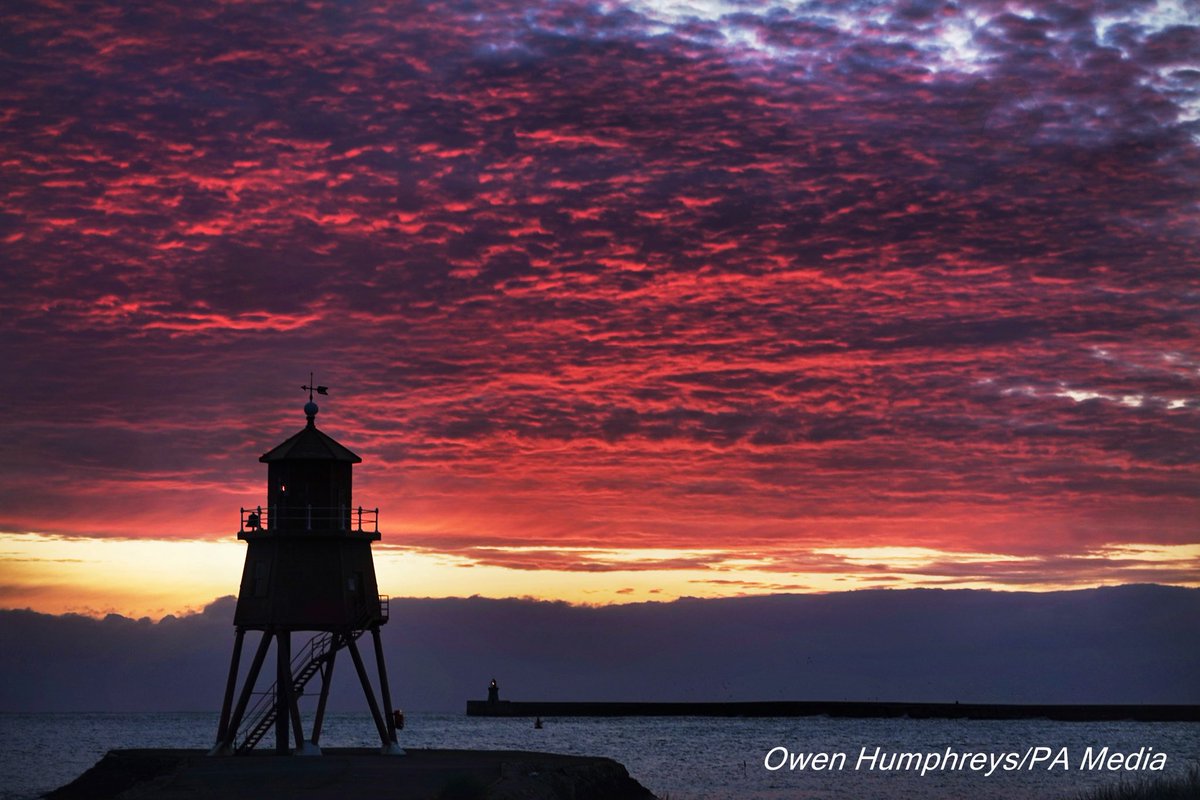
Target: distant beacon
x=308 y=568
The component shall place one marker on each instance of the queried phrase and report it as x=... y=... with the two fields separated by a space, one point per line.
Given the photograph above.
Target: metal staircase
x=304 y=666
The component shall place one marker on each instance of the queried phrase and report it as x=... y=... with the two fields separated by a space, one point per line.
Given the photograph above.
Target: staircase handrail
x=265 y=705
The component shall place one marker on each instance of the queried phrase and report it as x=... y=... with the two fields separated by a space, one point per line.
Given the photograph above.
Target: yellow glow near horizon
x=909 y=556
x=1164 y=553
x=136 y=577
x=133 y=577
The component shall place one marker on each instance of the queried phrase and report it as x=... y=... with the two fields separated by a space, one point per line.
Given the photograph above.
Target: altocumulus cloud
x=749 y=279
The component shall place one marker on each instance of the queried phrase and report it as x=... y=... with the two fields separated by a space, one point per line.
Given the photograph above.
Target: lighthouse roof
x=310 y=444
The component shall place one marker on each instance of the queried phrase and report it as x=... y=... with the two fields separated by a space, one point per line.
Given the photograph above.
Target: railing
x=304 y=666
x=307 y=518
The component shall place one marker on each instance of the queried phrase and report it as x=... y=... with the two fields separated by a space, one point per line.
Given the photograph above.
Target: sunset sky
x=617 y=300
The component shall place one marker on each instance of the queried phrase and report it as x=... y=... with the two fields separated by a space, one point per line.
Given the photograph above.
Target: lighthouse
x=308 y=571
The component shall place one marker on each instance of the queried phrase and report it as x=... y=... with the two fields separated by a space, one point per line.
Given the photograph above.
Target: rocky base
x=340 y=773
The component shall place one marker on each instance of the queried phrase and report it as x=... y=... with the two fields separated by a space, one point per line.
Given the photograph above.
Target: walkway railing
x=309 y=518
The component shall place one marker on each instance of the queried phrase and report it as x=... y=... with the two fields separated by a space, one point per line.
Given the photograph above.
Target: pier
x=816 y=708
x=351 y=773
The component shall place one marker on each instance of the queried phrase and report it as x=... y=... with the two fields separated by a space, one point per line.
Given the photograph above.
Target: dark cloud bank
x=1130 y=644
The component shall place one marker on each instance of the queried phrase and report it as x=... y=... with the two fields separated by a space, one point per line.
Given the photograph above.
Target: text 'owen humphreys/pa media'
x=1040 y=757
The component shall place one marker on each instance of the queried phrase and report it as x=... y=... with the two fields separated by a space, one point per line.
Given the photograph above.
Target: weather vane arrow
x=310 y=388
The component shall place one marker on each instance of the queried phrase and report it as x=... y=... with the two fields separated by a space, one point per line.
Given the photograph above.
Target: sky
x=617 y=301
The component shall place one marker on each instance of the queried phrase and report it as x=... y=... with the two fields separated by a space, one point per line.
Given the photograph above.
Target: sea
x=689 y=758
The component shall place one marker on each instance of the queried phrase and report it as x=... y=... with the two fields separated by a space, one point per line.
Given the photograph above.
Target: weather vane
x=310 y=388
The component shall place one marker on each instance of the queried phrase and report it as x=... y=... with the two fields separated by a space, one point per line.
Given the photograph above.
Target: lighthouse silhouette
x=308 y=568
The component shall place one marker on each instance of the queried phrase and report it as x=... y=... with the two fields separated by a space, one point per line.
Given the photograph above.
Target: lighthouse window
x=262 y=574
x=357 y=588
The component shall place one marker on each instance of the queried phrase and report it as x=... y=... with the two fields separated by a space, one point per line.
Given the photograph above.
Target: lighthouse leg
x=230 y=685
x=384 y=692
x=298 y=729
x=283 y=689
x=366 y=684
x=227 y=745
x=326 y=679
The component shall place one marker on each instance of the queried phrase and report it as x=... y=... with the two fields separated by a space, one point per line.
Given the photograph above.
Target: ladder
x=304 y=666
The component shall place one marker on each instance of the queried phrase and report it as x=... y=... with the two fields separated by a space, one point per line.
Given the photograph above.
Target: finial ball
x=310 y=409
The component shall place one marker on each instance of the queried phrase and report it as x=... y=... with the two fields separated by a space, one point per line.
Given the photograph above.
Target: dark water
x=683 y=758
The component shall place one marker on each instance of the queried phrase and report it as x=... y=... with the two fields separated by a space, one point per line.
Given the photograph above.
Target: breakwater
x=848 y=709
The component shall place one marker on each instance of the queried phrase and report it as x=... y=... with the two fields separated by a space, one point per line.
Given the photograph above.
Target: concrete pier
x=349 y=773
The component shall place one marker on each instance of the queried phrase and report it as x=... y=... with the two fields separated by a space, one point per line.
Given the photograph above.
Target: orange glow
x=137 y=578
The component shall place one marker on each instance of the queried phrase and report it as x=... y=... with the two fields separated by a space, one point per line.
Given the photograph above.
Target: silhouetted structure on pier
x=308 y=568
